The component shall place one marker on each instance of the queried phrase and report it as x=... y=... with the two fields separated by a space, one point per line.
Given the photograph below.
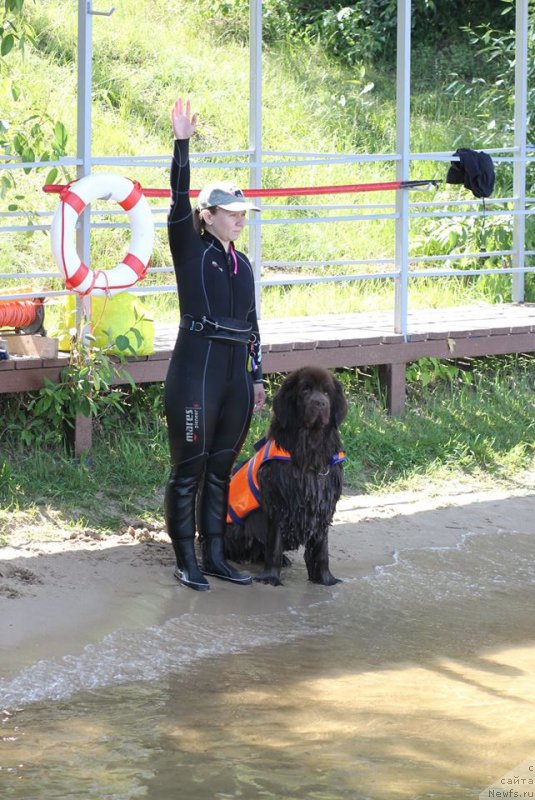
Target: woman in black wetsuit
x=215 y=375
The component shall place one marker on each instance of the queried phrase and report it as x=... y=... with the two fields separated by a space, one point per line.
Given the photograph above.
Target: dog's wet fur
x=298 y=497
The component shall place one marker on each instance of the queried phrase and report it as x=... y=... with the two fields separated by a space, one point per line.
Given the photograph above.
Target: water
x=411 y=682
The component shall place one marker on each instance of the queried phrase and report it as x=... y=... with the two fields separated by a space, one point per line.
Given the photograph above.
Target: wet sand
x=62 y=591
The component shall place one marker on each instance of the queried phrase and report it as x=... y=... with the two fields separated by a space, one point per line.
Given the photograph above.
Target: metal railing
x=256 y=160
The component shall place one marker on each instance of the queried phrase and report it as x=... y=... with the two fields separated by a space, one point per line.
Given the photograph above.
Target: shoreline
x=59 y=595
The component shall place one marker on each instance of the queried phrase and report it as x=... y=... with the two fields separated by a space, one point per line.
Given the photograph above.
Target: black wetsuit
x=209 y=385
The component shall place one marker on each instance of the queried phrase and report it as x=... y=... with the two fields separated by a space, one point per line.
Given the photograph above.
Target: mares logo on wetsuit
x=192 y=423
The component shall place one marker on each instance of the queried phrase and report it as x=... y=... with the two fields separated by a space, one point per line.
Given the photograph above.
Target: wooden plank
x=391 y=339
x=496 y=345
x=417 y=337
x=279 y=348
x=28 y=363
x=334 y=357
x=403 y=352
x=467 y=347
x=359 y=340
x=30 y=374
x=57 y=362
x=6 y=365
x=372 y=325
x=341 y=341
x=481 y=332
x=22 y=380
x=463 y=334
x=146 y=372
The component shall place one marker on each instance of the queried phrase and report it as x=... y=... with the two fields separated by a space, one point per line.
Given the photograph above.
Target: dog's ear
x=339 y=402
x=285 y=403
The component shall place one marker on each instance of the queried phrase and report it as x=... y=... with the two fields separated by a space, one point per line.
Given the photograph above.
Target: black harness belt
x=236 y=331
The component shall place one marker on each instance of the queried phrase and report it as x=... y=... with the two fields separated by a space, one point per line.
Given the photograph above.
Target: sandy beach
x=411 y=679
x=60 y=590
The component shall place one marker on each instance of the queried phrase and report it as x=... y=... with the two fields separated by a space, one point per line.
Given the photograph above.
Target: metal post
x=83 y=133
x=85 y=80
x=255 y=135
x=519 y=169
x=403 y=106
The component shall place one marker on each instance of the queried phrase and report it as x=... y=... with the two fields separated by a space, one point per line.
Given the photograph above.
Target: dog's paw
x=268 y=579
x=333 y=581
x=326 y=580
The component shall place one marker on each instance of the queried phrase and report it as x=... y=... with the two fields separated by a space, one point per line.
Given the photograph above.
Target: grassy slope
x=150 y=50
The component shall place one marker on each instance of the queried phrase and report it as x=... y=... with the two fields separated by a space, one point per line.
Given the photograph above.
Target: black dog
x=298 y=482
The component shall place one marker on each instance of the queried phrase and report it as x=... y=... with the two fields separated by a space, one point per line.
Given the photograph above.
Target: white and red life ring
x=73 y=199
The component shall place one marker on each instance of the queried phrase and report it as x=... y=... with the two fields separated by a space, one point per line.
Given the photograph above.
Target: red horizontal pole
x=56 y=188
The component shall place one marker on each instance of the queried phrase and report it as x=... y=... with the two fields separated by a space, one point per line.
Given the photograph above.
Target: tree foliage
x=364 y=30
x=36 y=137
x=497 y=88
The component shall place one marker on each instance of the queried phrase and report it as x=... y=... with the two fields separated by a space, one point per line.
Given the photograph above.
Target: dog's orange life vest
x=244 y=491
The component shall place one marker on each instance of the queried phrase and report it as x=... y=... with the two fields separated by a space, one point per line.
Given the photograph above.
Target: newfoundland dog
x=286 y=495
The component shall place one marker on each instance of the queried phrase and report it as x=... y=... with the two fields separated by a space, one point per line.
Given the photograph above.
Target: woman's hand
x=259 y=396
x=184 y=123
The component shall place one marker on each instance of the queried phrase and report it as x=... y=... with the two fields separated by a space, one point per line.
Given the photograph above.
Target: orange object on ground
x=21 y=314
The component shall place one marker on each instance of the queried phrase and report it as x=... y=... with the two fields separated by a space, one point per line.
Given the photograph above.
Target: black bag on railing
x=474 y=170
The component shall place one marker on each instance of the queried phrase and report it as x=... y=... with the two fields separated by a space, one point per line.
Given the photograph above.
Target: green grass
x=469 y=424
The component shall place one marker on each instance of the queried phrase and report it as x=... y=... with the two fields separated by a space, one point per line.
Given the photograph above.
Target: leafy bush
x=495 y=106
x=353 y=32
x=493 y=96
x=38 y=137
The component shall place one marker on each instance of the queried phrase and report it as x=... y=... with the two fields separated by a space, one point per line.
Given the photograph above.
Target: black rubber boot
x=180 y=521
x=214 y=563
x=213 y=515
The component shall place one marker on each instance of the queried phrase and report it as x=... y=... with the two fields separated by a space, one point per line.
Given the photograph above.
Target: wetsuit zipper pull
x=232 y=261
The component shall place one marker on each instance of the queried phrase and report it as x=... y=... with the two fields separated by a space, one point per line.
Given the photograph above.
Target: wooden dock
x=337 y=341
